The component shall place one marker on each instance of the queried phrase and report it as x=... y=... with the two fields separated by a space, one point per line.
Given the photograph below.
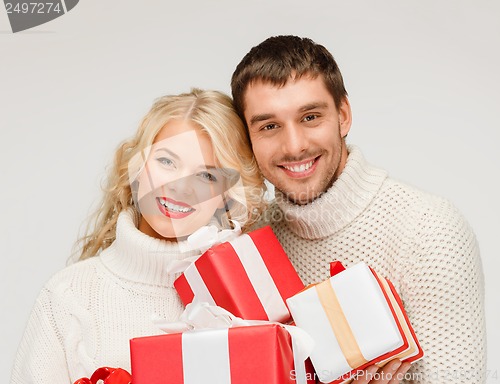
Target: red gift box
x=240 y=355
x=334 y=312
x=250 y=276
x=414 y=351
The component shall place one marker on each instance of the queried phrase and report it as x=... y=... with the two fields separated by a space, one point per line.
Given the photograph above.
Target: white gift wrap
x=367 y=328
x=206 y=359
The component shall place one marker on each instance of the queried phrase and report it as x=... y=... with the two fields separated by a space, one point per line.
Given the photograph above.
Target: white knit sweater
x=419 y=241
x=86 y=314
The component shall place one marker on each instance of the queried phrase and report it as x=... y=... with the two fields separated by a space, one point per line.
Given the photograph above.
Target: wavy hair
x=214 y=113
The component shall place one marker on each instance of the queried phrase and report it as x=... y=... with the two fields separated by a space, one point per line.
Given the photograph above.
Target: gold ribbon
x=340 y=326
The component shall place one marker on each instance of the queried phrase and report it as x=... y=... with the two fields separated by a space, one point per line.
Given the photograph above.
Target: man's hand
x=392 y=373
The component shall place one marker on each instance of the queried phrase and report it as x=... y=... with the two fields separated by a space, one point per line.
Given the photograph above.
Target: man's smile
x=300 y=169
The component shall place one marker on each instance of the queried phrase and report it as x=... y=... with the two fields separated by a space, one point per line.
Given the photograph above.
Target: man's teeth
x=174 y=207
x=299 y=168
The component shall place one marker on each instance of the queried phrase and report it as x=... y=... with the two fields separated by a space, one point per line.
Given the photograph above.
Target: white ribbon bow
x=203 y=239
x=201 y=315
x=209 y=235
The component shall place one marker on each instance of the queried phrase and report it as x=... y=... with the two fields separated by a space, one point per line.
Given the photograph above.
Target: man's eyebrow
x=310 y=106
x=307 y=107
x=258 y=118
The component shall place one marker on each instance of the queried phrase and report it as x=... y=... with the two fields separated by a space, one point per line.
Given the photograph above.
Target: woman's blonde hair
x=213 y=112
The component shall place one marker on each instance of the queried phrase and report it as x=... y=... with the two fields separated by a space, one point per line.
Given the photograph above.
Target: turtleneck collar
x=349 y=195
x=138 y=257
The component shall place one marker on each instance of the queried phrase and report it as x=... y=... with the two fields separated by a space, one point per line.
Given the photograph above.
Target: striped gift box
x=356 y=319
x=250 y=276
x=240 y=355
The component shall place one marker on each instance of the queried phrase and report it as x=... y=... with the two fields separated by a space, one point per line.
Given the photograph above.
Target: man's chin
x=300 y=197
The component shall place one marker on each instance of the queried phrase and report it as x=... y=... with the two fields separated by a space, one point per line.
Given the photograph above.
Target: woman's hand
x=392 y=373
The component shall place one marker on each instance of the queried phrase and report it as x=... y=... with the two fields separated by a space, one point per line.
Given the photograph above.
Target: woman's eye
x=165 y=161
x=208 y=176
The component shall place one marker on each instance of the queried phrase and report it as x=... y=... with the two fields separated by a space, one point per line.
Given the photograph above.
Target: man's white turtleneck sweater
x=419 y=241
x=86 y=314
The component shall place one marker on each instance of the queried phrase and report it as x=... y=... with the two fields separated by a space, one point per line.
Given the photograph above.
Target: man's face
x=297 y=135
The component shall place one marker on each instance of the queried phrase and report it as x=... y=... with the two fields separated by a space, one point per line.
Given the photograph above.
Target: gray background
x=422 y=77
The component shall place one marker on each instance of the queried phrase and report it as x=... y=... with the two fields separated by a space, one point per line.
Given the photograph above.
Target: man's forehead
x=262 y=96
x=281 y=81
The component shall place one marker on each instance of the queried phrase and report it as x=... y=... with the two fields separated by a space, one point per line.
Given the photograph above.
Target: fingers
x=400 y=373
x=392 y=373
x=387 y=373
x=366 y=375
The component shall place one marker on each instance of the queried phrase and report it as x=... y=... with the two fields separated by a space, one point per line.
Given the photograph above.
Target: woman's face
x=180 y=187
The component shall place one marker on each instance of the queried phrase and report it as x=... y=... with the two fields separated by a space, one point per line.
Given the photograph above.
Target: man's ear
x=345 y=117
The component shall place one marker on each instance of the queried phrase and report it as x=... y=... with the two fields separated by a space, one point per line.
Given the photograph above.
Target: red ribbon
x=108 y=376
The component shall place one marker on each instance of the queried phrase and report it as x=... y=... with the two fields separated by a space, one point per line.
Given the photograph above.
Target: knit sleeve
x=40 y=357
x=444 y=296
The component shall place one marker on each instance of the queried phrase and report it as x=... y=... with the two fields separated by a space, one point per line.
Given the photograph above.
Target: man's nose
x=294 y=140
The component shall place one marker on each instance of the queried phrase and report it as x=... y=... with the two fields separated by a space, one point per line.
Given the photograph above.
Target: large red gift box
x=250 y=276
x=240 y=355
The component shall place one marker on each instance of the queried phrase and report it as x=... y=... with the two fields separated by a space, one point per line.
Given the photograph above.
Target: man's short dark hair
x=278 y=58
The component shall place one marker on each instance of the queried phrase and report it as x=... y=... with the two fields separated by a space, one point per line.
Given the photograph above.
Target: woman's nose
x=183 y=185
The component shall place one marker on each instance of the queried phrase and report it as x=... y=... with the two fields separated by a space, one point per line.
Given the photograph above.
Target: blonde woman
x=189 y=165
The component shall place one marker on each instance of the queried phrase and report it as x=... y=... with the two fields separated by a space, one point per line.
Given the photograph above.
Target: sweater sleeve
x=40 y=357
x=444 y=297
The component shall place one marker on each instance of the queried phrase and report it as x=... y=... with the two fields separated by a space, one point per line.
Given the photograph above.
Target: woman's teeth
x=174 y=207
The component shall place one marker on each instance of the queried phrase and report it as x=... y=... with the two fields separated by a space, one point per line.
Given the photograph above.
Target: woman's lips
x=174 y=209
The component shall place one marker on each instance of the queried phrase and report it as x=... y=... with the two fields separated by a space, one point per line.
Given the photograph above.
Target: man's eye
x=165 y=161
x=269 y=127
x=310 y=117
x=208 y=176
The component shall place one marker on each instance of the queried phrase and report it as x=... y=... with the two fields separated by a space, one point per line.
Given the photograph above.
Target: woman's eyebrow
x=177 y=157
x=169 y=152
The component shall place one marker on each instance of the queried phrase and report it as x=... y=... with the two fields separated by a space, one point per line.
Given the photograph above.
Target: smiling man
x=331 y=204
x=297 y=135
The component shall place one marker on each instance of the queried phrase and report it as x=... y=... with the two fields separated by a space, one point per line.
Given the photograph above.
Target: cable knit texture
x=419 y=241
x=86 y=314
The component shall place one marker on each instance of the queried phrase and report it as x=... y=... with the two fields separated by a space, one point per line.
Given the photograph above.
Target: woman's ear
x=134 y=188
x=224 y=203
x=345 y=117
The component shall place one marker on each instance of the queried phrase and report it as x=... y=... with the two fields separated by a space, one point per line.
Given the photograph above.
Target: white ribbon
x=207 y=236
x=201 y=315
x=201 y=240
x=260 y=278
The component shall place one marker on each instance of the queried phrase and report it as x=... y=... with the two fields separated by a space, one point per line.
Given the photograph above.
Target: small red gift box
x=414 y=352
x=240 y=355
x=250 y=276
